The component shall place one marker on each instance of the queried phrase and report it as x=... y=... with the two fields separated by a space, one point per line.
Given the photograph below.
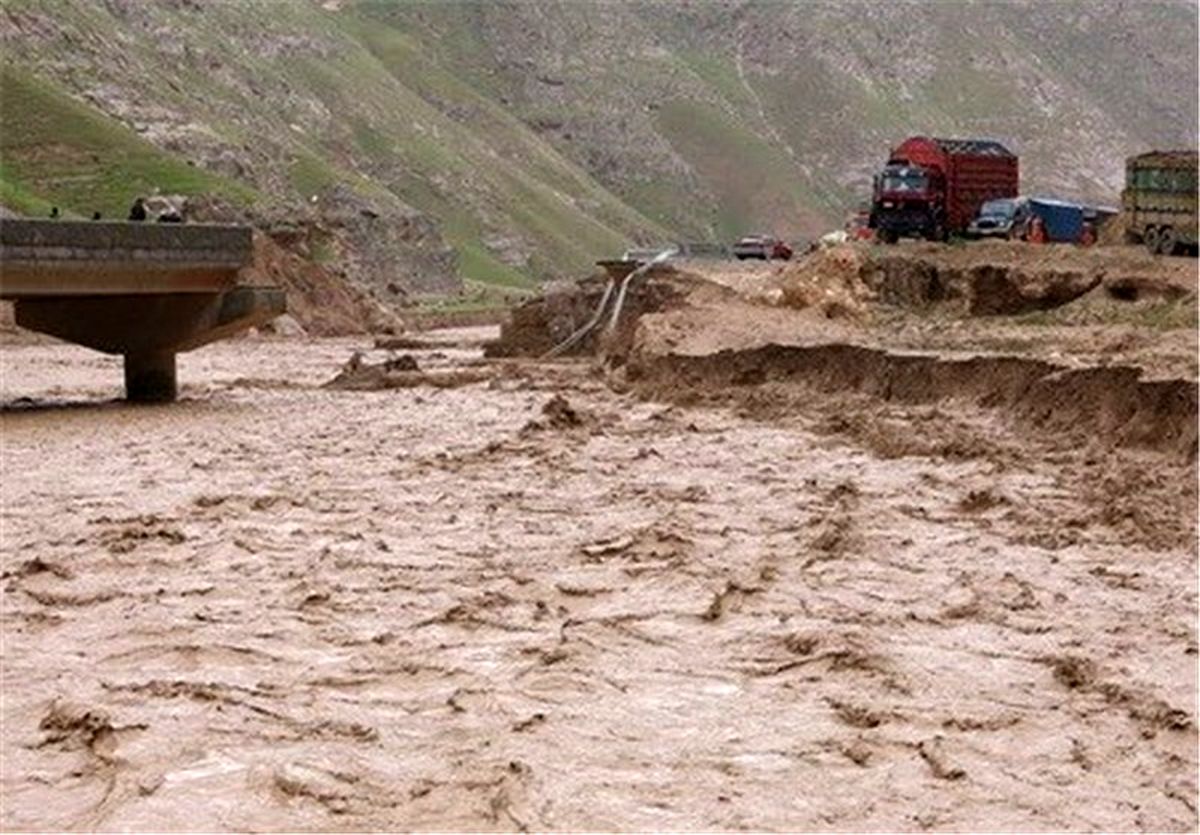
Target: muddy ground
x=663 y=588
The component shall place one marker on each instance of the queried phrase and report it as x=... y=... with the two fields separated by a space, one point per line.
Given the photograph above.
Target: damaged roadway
x=825 y=546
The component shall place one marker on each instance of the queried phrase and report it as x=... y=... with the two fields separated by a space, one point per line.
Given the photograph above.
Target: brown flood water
x=277 y=606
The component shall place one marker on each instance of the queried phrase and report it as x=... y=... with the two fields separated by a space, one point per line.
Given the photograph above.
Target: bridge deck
x=55 y=258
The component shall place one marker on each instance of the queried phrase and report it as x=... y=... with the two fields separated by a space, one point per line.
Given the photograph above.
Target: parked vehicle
x=1003 y=218
x=1061 y=222
x=1160 y=200
x=761 y=246
x=934 y=187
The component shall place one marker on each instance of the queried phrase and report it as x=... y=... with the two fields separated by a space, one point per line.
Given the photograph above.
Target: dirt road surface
x=531 y=601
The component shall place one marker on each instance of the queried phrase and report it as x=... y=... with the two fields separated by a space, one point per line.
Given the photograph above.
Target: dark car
x=761 y=246
x=1004 y=218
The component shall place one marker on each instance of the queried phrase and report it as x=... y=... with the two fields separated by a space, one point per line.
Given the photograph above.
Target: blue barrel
x=1063 y=221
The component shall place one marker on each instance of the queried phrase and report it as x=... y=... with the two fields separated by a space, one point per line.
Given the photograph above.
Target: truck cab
x=908 y=201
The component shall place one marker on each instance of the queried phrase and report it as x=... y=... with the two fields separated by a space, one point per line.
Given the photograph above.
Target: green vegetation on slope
x=759 y=188
x=55 y=150
x=310 y=175
x=480 y=138
x=719 y=73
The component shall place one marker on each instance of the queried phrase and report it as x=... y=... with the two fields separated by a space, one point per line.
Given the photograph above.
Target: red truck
x=932 y=187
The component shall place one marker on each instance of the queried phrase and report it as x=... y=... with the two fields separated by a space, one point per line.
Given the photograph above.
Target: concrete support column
x=150 y=376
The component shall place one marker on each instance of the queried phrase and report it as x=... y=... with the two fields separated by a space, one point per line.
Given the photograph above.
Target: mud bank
x=1110 y=405
x=1007 y=290
x=954 y=264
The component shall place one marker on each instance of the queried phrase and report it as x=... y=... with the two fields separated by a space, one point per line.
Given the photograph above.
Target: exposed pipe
x=599 y=313
x=616 y=314
x=587 y=326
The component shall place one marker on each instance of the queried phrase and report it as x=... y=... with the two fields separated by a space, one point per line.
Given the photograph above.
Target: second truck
x=1160 y=201
x=931 y=188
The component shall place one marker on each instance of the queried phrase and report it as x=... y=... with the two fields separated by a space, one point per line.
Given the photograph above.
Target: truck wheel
x=1150 y=239
x=1167 y=241
x=888 y=236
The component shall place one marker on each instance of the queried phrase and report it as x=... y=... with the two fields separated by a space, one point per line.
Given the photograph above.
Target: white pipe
x=657 y=259
x=587 y=326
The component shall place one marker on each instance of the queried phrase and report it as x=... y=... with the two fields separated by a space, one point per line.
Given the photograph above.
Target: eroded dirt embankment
x=321 y=301
x=1111 y=405
x=1005 y=279
x=919 y=327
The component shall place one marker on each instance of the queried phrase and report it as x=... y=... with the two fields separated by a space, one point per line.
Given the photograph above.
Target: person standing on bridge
x=138 y=210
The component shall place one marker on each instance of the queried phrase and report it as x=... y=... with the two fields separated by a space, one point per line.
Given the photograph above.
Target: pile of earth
x=400 y=371
x=1113 y=231
x=832 y=280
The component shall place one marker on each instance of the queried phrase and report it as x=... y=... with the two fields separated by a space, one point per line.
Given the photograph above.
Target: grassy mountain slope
x=292 y=100
x=724 y=117
x=63 y=153
x=535 y=137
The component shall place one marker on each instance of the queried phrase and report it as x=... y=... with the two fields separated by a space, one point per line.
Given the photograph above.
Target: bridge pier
x=150 y=377
x=144 y=291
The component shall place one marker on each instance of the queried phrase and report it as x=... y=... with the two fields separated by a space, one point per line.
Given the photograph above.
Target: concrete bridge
x=146 y=291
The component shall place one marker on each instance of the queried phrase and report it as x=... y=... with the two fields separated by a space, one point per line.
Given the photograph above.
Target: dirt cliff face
x=321 y=302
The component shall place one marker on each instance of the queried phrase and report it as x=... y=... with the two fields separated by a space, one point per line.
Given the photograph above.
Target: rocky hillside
x=419 y=145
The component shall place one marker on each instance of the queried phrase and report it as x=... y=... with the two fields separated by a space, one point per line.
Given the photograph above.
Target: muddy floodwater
x=536 y=601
